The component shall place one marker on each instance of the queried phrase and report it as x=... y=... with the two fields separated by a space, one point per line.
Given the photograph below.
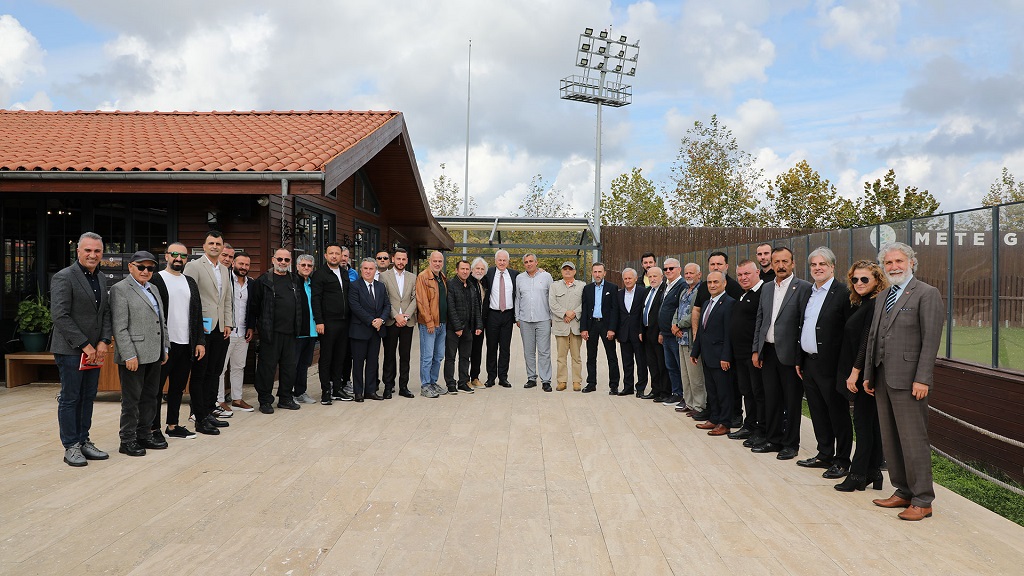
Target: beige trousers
x=569 y=345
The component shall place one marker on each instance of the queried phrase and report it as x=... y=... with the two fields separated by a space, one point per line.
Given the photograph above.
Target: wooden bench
x=23 y=368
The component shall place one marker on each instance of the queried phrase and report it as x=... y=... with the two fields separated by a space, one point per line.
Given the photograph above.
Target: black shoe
x=373 y=396
x=288 y=405
x=750 y=442
x=648 y=396
x=530 y=384
x=786 y=454
x=765 y=448
x=359 y=397
x=132 y=449
x=151 y=443
x=339 y=394
x=404 y=393
x=737 y=422
x=702 y=415
x=343 y=396
x=158 y=438
x=387 y=396
x=741 y=434
x=613 y=391
x=627 y=392
x=204 y=427
x=835 y=472
x=326 y=401
x=218 y=423
x=265 y=408
x=852 y=482
x=640 y=393
x=504 y=384
x=489 y=384
x=815 y=463
x=589 y=388
x=546 y=386
x=659 y=399
x=465 y=387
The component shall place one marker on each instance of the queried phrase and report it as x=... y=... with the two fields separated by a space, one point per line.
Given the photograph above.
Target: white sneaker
x=219 y=412
x=349 y=389
x=305 y=398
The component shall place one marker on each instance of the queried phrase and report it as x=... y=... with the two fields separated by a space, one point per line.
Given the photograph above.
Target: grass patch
x=978 y=490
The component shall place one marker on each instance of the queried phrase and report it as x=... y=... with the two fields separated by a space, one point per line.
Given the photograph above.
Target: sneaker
x=466 y=388
x=267 y=408
x=305 y=398
x=241 y=405
x=91 y=452
x=428 y=391
x=476 y=383
x=288 y=405
x=326 y=400
x=672 y=401
x=158 y=438
x=73 y=456
x=225 y=406
x=191 y=417
x=179 y=432
x=453 y=390
x=438 y=390
x=219 y=412
x=349 y=389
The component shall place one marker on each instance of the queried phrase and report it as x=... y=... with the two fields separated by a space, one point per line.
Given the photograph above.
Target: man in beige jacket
x=565 y=299
x=401 y=285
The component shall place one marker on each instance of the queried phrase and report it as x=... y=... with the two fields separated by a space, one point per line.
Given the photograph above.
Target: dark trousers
x=903 y=422
x=138 y=400
x=752 y=392
x=206 y=374
x=77 y=395
x=476 y=356
x=656 y=364
x=365 y=354
x=599 y=333
x=276 y=352
x=175 y=372
x=868 y=456
x=303 y=360
x=397 y=344
x=634 y=350
x=830 y=411
x=783 y=394
x=499 y=339
x=333 y=349
x=718 y=384
x=461 y=346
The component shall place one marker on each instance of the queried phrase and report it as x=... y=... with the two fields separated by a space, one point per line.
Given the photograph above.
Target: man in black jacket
x=499 y=296
x=465 y=320
x=330 y=286
x=652 y=335
x=183 y=313
x=630 y=333
x=741 y=334
x=599 y=322
x=274 y=313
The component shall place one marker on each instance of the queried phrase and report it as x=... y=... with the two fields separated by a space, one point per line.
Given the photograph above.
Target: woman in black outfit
x=866 y=281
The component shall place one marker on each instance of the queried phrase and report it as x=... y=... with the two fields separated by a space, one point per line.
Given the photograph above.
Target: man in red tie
x=499 y=290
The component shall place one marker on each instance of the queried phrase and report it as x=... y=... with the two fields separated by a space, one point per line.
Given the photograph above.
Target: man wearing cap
x=142 y=344
x=565 y=300
x=534 y=321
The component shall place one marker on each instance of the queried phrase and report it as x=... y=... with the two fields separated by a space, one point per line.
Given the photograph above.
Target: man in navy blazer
x=370 y=305
x=599 y=322
x=713 y=346
x=631 y=325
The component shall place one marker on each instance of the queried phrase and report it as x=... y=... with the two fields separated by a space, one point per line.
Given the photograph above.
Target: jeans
x=77 y=394
x=675 y=378
x=431 y=353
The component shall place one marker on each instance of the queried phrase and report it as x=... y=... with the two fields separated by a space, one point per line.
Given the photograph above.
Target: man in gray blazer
x=899 y=362
x=142 y=344
x=401 y=287
x=80 y=309
x=777 y=353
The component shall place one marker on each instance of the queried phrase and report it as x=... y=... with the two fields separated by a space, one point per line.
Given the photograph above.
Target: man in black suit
x=713 y=347
x=273 y=310
x=599 y=322
x=670 y=332
x=370 y=305
x=499 y=299
x=652 y=335
x=741 y=334
x=777 y=352
x=630 y=331
x=80 y=308
x=821 y=337
x=329 y=289
x=719 y=262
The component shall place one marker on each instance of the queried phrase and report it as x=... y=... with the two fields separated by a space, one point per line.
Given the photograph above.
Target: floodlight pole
x=465 y=183
x=597 y=175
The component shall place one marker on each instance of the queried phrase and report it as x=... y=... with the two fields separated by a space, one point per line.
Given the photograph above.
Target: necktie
x=501 y=290
x=711 y=304
x=369 y=287
x=647 y=305
x=892 y=297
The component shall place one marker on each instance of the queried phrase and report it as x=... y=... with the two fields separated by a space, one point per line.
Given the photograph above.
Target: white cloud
x=20 y=57
x=865 y=27
x=755 y=120
x=38 y=101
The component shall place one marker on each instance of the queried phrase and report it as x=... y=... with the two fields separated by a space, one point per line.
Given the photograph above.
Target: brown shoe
x=719 y=430
x=241 y=405
x=706 y=425
x=476 y=383
x=560 y=387
x=575 y=386
x=915 y=513
x=894 y=501
x=225 y=406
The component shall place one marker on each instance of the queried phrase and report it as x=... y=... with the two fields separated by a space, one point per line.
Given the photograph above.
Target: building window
x=370 y=244
x=317 y=229
x=365 y=197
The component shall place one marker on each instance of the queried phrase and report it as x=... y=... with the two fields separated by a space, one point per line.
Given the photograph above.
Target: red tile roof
x=186 y=141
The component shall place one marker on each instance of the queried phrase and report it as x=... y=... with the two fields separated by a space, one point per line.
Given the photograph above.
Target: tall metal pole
x=597 y=174
x=465 y=183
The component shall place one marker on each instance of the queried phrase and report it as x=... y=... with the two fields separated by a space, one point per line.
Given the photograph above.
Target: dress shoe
x=546 y=386
x=372 y=396
x=765 y=447
x=218 y=423
x=683 y=408
x=835 y=472
x=359 y=397
x=589 y=388
x=852 y=482
x=158 y=437
x=151 y=443
x=204 y=427
x=73 y=456
x=404 y=393
x=132 y=449
x=264 y=408
x=288 y=405
x=530 y=384
x=91 y=452
x=576 y=386
x=561 y=386
x=737 y=422
x=719 y=430
x=814 y=463
x=639 y=392
x=915 y=513
x=387 y=396
x=647 y=396
x=706 y=425
x=489 y=384
x=701 y=415
x=741 y=434
x=786 y=454
x=627 y=391
x=894 y=501
x=505 y=384
x=613 y=391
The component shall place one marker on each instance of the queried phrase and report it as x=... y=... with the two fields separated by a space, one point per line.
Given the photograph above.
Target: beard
x=177 y=266
x=479 y=275
x=239 y=273
x=896 y=277
x=282 y=269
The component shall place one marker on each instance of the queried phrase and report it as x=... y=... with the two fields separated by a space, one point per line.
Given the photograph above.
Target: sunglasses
x=670 y=267
x=306 y=265
x=383 y=258
x=177 y=254
x=145 y=268
x=283 y=259
x=861 y=279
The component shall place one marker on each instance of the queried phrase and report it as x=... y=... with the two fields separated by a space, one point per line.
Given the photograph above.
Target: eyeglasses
x=383 y=258
x=177 y=254
x=670 y=268
x=282 y=259
x=306 y=265
x=145 y=268
x=861 y=279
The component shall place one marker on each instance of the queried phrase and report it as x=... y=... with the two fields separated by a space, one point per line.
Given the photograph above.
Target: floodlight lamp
x=618 y=68
x=632 y=71
x=622 y=53
x=583 y=61
x=600 y=65
x=600 y=50
x=588 y=32
x=604 y=34
x=622 y=39
x=585 y=48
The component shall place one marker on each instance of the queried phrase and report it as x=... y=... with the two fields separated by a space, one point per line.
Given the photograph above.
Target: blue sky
x=930 y=88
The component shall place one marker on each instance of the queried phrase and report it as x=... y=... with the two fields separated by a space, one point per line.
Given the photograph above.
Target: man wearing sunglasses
x=274 y=311
x=142 y=344
x=214 y=282
x=383 y=263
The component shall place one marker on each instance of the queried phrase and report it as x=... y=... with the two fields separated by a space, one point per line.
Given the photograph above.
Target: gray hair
x=694 y=264
x=527 y=255
x=669 y=261
x=823 y=252
x=630 y=270
x=304 y=257
x=90 y=236
x=500 y=252
x=478 y=260
x=368 y=259
x=892 y=247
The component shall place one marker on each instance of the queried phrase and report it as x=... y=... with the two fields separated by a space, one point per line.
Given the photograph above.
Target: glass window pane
x=1011 y=287
x=972 y=287
x=931 y=244
x=799 y=247
x=839 y=242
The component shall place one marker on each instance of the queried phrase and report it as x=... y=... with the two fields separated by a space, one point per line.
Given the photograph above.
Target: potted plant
x=34 y=323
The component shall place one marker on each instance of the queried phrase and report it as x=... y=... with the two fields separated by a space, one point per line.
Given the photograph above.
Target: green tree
x=543 y=201
x=1005 y=189
x=446 y=200
x=634 y=201
x=801 y=198
x=717 y=184
x=883 y=201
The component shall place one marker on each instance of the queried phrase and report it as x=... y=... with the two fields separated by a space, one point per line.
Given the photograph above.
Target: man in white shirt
x=238 y=344
x=534 y=321
x=401 y=287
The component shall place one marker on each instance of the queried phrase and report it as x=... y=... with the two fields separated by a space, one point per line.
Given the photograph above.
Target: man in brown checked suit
x=902 y=343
